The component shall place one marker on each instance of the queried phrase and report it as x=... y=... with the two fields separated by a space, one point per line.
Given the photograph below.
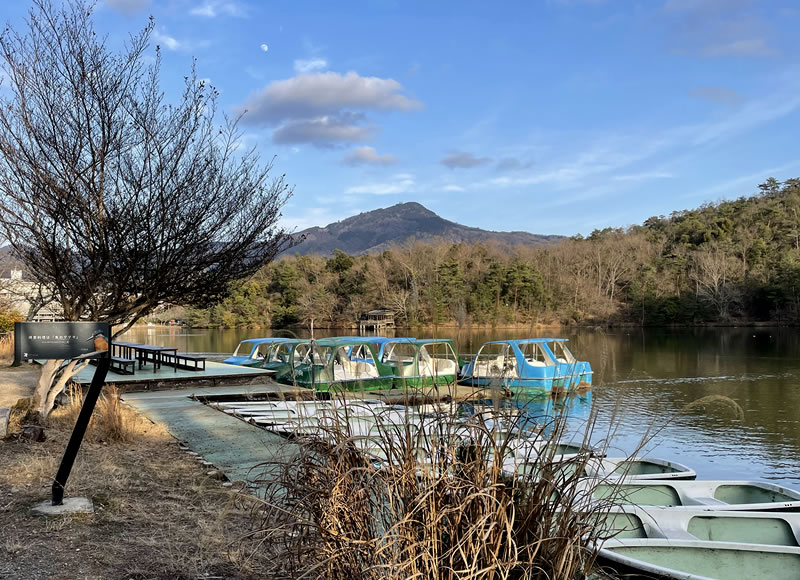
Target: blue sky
x=549 y=116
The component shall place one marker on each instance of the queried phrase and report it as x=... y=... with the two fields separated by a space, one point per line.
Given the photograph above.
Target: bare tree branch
x=115 y=200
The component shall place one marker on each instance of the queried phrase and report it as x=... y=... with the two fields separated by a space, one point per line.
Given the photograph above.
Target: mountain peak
x=376 y=230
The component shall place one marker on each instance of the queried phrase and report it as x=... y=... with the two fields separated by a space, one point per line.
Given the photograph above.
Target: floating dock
x=168 y=377
x=230 y=444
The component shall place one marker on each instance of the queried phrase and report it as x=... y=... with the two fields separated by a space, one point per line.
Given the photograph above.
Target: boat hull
x=698 y=560
x=419 y=382
x=688 y=495
x=370 y=384
x=745 y=527
x=638 y=468
x=530 y=385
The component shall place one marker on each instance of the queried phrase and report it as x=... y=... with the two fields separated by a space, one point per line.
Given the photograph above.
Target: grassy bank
x=159 y=515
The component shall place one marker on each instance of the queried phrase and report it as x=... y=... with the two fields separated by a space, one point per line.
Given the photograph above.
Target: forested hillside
x=733 y=261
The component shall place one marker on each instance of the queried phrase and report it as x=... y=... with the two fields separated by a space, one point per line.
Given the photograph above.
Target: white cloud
x=323 y=108
x=719 y=28
x=163 y=39
x=323 y=131
x=214 y=8
x=312 y=95
x=368 y=156
x=733 y=186
x=739 y=47
x=644 y=176
x=453 y=188
x=718 y=95
x=264 y=47
x=513 y=164
x=310 y=217
x=463 y=160
x=619 y=159
x=305 y=66
x=401 y=183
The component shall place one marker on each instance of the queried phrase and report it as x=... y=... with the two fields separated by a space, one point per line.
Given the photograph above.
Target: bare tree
x=715 y=273
x=316 y=303
x=114 y=200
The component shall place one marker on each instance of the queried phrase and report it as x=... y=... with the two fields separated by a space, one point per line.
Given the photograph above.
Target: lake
x=749 y=378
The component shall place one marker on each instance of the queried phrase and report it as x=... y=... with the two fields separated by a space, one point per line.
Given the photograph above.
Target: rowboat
x=607 y=469
x=638 y=468
x=687 y=495
x=747 y=527
x=531 y=365
x=422 y=362
x=695 y=560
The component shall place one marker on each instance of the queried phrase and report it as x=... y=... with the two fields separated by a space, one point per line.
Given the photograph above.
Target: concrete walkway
x=232 y=445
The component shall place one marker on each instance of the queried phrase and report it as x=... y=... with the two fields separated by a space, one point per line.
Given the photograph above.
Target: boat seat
x=348 y=370
x=672 y=533
x=436 y=367
x=706 y=500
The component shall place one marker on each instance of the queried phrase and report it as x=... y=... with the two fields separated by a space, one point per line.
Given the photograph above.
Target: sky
x=546 y=116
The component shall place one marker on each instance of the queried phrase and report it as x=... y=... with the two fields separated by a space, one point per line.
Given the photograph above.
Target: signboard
x=60 y=340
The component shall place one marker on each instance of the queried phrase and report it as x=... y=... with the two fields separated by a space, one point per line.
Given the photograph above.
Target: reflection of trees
x=660 y=373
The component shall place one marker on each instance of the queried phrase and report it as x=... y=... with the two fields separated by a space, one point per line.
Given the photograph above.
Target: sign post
x=68 y=340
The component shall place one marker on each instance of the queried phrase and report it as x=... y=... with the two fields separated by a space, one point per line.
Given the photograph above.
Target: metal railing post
x=75 y=440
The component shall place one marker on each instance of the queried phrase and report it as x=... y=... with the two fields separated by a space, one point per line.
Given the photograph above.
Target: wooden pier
x=376 y=321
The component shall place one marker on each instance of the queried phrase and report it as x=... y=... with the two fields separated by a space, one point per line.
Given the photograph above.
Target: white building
x=17 y=294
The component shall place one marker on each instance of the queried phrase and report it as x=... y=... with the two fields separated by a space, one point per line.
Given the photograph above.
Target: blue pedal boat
x=252 y=352
x=530 y=365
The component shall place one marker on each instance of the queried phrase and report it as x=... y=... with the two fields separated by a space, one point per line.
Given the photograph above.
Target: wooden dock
x=168 y=377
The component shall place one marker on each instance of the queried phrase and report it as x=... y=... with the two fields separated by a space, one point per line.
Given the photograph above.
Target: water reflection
x=645 y=384
x=538 y=412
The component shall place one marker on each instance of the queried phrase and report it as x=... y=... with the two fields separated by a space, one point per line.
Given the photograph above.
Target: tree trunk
x=48 y=387
x=72 y=369
x=43 y=385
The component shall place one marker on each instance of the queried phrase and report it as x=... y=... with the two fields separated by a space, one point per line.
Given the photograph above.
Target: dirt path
x=16 y=382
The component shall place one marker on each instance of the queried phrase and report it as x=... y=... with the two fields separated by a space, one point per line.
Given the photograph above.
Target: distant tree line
x=732 y=261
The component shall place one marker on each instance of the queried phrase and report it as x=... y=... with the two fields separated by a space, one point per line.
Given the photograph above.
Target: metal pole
x=17 y=338
x=79 y=431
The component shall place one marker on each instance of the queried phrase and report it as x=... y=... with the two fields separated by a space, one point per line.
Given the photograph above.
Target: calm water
x=749 y=427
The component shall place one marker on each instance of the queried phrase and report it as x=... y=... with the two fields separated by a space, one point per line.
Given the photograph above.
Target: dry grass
x=434 y=502
x=111 y=422
x=7 y=346
x=158 y=514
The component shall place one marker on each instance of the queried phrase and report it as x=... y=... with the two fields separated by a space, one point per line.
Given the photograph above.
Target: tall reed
x=6 y=345
x=443 y=497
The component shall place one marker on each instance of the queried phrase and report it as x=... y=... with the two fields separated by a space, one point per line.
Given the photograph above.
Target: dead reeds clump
x=6 y=346
x=430 y=495
x=111 y=421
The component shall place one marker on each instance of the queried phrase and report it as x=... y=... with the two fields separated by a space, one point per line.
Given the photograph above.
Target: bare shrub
x=442 y=497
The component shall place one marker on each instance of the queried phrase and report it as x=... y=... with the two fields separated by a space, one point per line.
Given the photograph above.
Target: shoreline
x=517 y=326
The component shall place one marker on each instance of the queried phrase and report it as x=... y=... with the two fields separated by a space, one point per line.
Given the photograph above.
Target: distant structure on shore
x=376 y=321
x=19 y=294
